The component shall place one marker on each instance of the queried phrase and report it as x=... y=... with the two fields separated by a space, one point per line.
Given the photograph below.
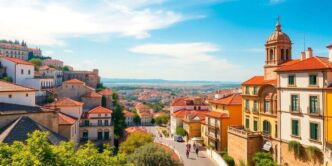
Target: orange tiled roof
x=93 y=94
x=11 y=87
x=99 y=110
x=312 y=63
x=234 y=99
x=181 y=113
x=44 y=67
x=64 y=102
x=66 y=119
x=19 y=61
x=127 y=113
x=141 y=106
x=106 y=92
x=216 y=114
x=259 y=80
x=179 y=101
x=74 y=81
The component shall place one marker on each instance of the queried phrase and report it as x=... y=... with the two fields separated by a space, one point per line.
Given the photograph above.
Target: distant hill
x=161 y=81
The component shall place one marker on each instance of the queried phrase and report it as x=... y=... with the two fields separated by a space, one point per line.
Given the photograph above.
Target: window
x=86 y=122
x=9 y=96
x=106 y=122
x=313 y=104
x=291 y=80
x=22 y=71
x=255 y=125
x=314 y=131
x=295 y=127
x=255 y=90
x=247 y=104
x=99 y=115
x=85 y=134
x=294 y=103
x=100 y=123
x=247 y=90
x=276 y=130
x=29 y=72
x=106 y=135
x=26 y=95
x=247 y=123
x=266 y=106
x=100 y=135
x=266 y=127
x=312 y=79
x=255 y=106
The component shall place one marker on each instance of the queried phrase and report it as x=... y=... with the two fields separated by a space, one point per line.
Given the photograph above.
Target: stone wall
x=73 y=91
x=91 y=102
x=91 y=78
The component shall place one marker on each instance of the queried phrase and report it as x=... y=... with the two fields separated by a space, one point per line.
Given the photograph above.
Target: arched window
x=266 y=127
x=100 y=134
x=85 y=134
x=271 y=55
x=287 y=55
x=283 y=54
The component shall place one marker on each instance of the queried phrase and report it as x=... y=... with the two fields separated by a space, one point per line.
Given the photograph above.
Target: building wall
x=175 y=122
x=47 y=119
x=176 y=108
x=301 y=79
x=21 y=98
x=328 y=116
x=74 y=111
x=73 y=91
x=39 y=83
x=10 y=68
x=91 y=78
x=21 y=78
x=193 y=129
x=91 y=102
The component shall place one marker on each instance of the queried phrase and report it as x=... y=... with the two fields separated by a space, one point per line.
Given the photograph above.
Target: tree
x=37 y=62
x=6 y=78
x=50 y=99
x=136 y=119
x=103 y=101
x=263 y=159
x=118 y=117
x=150 y=155
x=134 y=141
x=180 y=131
x=162 y=119
x=65 y=68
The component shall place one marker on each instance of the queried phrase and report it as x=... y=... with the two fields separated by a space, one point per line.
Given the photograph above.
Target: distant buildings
x=18 y=50
x=91 y=78
x=53 y=62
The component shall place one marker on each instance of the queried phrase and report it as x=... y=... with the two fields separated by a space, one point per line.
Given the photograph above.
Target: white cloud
x=48 y=22
x=190 y=61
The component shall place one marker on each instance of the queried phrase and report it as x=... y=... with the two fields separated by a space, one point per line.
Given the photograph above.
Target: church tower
x=278 y=49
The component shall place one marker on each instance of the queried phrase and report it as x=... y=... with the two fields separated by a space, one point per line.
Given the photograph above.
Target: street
x=193 y=160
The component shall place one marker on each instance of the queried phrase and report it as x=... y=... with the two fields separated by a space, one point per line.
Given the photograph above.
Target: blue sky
x=168 y=39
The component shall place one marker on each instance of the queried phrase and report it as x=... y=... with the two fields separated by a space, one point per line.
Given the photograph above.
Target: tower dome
x=278 y=35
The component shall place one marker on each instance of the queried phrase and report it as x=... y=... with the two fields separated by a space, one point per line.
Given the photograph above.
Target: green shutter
x=295 y=127
x=313 y=131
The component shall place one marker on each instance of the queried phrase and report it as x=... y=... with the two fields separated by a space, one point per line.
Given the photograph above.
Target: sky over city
x=212 y=40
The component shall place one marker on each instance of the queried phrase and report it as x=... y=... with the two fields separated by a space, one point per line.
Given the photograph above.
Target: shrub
x=228 y=159
x=297 y=148
x=181 y=131
x=314 y=152
x=263 y=159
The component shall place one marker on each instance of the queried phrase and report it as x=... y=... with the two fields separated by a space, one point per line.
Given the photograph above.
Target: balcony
x=314 y=111
x=296 y=110
x=242 y=132
x=95 y=125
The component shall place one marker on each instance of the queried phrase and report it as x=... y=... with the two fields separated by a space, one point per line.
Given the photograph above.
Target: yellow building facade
x=328 y=127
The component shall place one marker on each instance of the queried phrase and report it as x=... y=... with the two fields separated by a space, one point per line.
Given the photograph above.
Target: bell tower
x=278 y=49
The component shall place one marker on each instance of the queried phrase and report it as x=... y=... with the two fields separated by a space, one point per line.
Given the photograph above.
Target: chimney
x=329 y=47
x=309 y=53
x=302 y=56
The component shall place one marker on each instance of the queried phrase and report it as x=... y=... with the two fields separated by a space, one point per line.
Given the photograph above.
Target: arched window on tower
x=287 y=55
x=271 y=55
x=283 y=54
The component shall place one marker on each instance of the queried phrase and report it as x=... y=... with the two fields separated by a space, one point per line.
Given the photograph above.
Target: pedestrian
x=189 y=146
x=194 y=145
x=187 y=153
x=197 y=150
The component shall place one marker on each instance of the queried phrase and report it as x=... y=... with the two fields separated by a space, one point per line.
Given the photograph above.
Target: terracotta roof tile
x=106 y=92
x=18 y=61
x=99 y=110
x=74 y=81
x=64 y=102
x=234 y=99
x=127 y=113
x=182 y=113
x=259 y=80
x=216 y=114
x=66 y=119
x=93 y=94
x=11 y=87
x=313 y=63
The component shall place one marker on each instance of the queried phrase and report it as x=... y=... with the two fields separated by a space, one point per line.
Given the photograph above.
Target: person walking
x=189 y=145
x=187 y=153
x=197 y=150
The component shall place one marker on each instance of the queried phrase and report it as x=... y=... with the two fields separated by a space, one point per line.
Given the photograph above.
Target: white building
x=18 y=70
x=301 y=99
x=56 y=75
x=16 y=94
x=97 y=125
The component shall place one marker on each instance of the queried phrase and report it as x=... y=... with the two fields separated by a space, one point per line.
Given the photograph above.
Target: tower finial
x=278 y=25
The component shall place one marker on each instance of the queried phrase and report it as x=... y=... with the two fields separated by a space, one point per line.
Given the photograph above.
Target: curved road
x=193 y=160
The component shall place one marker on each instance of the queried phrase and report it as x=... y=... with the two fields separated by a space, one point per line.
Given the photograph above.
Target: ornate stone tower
x=278 y=49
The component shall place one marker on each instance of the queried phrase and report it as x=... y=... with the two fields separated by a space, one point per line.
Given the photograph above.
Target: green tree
x=103 y=101
x=134 y=141
x=50 y=99
x=263 y=159
x=37 y=62
x=6 y=78
x=65 y=68
x=181 y=131
x=136 y=119
x=151 y=155
x=163 y=119
x=118 y=117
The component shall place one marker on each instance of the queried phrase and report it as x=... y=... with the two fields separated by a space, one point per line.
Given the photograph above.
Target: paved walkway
x=193 y=160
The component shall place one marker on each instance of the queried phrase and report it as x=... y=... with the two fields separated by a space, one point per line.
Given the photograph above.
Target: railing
x=242 y=132
x=94 y=125
x=296 y=110
x=314 y=111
